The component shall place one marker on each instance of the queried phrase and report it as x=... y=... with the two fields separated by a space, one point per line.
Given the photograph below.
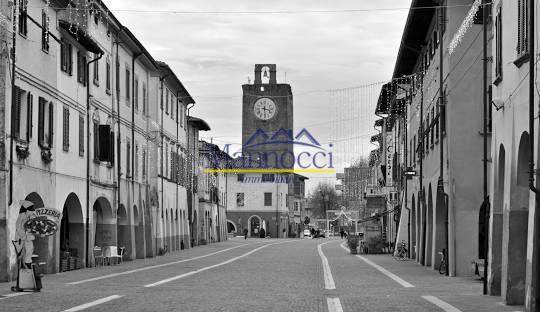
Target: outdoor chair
x=98 y=256
x=111 y=252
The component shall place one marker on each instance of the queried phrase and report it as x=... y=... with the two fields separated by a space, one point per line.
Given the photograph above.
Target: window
x=240 y=177
x=108 y=76
x=167 y=102
x=128 y=159
x=240 y=199
x=173 y=108
x=22 y=119
x=498 y=45
x=144 y=98
x=44 y=31
x=81 y=68
x=136 y=163
x=128 y=89
x=181 y=114
x=432 y=126
x=438 y=116
x=268 y=178
x=45 y=123
x=143 y=165
x=65 y=130
x=268 y=199
x=23 y=17
x=415 y=147
x=117 y=79
x=96 y=70
x=136 y=95
x=523 y=26
x=165 y=174
x=81 y=136
x=66 y=56
x=96 y=140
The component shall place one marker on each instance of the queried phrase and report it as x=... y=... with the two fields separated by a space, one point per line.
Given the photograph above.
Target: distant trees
x=324 y=197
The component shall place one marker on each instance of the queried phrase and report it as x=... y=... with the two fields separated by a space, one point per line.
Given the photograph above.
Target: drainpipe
x=532 y=72
x=177 y=163
x=442 y=117
x=421 y=182
x=13 y=100
x=485 y=143
x=88 y=154
x=119 y=137
x=161 y=79
x=531 y=96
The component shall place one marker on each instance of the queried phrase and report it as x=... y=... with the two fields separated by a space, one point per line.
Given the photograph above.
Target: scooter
x=28 y=279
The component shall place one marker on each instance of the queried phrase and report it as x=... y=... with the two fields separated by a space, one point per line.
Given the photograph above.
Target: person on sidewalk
x=245 y=233
x=342 y=233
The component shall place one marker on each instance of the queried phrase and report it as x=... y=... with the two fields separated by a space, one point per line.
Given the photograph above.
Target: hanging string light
x=465 y=26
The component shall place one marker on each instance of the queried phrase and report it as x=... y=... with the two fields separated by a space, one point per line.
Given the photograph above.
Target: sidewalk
x=463 y=293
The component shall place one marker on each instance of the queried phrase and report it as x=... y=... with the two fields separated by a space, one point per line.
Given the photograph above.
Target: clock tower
x=267 y=119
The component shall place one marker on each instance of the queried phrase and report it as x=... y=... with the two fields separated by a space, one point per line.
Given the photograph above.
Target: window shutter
x=104 y=142
x=41 y=122
x=96 y=141
x=70 y=59
x=51 y=123
x=29 y=115
x=111 y=148
x=65 y=134
x=520 y=26
x=81 y=136
x=16 y=118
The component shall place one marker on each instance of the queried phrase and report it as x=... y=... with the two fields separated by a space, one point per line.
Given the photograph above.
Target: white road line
x=334 y=305
x=174 y=278
x=441 y=304
x=93 y=303
x=152 y=267
x=328 y=279
x=17 y=294
x=391 y=275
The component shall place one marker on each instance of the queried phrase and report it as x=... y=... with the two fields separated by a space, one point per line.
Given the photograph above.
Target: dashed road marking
x=93 y=303
x=328 y=279
x=391 y=275
x=334 y=305
x=441 y=304
x=17 y=294
x=174 y=278
x=152 y=267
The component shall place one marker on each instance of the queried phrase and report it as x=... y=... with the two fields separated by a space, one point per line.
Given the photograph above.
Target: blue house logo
x=282 y=136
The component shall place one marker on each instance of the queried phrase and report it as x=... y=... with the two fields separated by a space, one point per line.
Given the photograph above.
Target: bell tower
x=267 y=115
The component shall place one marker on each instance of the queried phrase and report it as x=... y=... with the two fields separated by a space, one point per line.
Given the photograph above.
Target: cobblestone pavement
x=256 y=275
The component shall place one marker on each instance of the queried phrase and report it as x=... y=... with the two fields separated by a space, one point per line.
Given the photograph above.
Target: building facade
x=87 y=136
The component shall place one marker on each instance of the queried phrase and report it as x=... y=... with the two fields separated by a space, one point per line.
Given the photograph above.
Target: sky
x=213 y=53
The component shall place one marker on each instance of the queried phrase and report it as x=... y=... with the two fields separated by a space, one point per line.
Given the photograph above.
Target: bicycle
x=443 y=267
x=401 y=252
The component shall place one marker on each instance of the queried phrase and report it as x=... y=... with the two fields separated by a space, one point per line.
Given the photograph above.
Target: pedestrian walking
x=342 y=233
x=245 y=233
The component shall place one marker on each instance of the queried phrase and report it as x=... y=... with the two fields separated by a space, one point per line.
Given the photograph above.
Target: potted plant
x=352 y=242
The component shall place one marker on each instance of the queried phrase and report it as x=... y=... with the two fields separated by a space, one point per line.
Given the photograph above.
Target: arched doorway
x=231 y=227
x=429 y=228
x=254 y=226
x=72 y=237
x=104 y=224
x=413 y=228
x=496 y=226
x=418 y=227
x=123 y=229
x=515 y=230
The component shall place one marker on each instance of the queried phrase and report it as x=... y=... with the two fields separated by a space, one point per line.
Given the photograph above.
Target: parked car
x=307 y=233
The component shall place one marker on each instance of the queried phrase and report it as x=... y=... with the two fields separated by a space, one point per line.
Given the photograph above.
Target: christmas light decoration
x=465 y=26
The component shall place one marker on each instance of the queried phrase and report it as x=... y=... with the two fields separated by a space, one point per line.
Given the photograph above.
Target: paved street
x=257 y=275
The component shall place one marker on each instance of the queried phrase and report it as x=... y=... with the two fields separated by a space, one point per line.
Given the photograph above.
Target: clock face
x=264 y=108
